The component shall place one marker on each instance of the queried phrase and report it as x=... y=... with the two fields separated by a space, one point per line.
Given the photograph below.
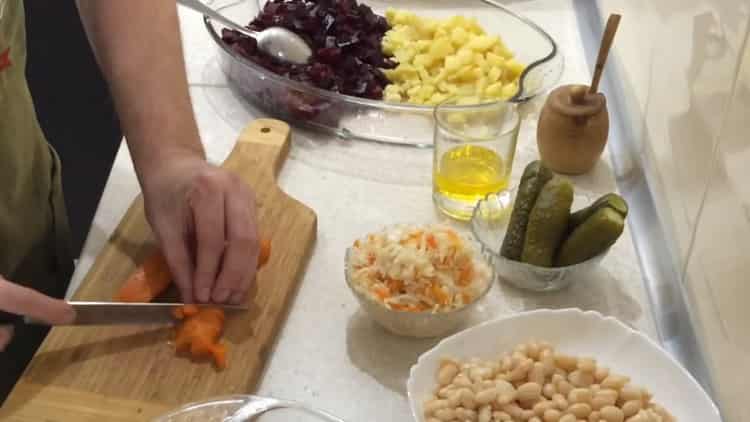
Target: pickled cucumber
x=548 y=222
x=597 y=233
x=535 y=175
x=611 y=200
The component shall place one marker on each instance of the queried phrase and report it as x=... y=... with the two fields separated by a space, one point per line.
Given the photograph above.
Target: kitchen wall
x=685 y=68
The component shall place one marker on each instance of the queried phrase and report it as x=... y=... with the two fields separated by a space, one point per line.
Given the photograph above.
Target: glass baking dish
x=372 y=120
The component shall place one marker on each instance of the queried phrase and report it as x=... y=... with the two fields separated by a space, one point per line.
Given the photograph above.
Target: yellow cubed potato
x=424 y=75
x=514 y=68
x=404 y=55
x=426 y=91
x=465 y=56
x=494 y=90
x=481 y=43
x=423 y=60
x=466 y=89
x=481 y=85
x=494 y=59
x=440 y=48
x=447 y=87
x=423 y=45
x=452 y=64
x=459 y=36
x=494 y=74
x=469 y=100
x=509 y=91
x=438 y=98
x=472 y=25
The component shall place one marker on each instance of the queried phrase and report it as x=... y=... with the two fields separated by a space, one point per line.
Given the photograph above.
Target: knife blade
x=120 y=313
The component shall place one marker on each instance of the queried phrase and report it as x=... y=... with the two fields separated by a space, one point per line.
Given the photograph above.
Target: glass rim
x=450 y=105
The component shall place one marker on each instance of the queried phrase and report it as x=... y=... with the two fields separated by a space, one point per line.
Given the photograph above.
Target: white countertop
x=329 y=354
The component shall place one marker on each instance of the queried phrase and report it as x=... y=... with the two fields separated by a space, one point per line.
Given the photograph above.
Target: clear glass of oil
x=474 y=148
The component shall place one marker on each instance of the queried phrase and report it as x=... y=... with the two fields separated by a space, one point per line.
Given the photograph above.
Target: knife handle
x=8 y=318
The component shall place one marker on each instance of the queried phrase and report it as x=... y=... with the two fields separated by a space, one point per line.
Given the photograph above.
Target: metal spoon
x=256 y=406
x=277 y=41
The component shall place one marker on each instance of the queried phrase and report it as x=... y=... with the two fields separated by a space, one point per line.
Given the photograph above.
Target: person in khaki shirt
x=203 y=216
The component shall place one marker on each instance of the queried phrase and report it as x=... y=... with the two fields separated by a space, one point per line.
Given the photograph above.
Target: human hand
x=21 y=300
x=204 y=219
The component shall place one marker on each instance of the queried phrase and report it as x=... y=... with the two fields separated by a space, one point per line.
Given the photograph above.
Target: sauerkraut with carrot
x=418 y=269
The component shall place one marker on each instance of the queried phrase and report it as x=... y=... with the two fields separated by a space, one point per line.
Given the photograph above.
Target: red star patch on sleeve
x=5 y=59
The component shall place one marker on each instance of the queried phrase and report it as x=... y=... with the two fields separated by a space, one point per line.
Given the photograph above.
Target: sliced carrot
x=394 y=286
x=265 y=252
x=199 y=334
x=465 y=275
x=147 y=282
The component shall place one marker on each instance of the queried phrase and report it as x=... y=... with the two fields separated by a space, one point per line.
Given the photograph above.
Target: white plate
x=579 y=333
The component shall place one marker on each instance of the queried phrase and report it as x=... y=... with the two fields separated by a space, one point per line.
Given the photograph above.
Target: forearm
x=138 y=47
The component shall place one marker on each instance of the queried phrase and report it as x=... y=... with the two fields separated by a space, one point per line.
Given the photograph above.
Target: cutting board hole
x=265 y=130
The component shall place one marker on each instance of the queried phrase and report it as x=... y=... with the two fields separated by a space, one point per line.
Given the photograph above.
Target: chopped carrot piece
x=199 y=334
x=147 y=282
x=431 y=242
x=465 y=275
x=394 y=286
x=265 y=252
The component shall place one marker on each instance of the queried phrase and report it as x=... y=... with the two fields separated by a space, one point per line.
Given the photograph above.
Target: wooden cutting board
x=131 y=373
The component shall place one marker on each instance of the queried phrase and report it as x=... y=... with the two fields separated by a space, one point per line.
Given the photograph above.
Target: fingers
x=206 y=200
x=21 y=300
x=175 y=245
x=6 y=334
x=241 y=253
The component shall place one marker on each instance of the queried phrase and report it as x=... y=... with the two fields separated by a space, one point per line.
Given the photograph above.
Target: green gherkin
x=534 y=177
x=592 y=237
x=548 y=222
x=611 y=200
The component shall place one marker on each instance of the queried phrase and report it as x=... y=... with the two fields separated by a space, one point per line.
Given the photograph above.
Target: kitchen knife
x=120 y=313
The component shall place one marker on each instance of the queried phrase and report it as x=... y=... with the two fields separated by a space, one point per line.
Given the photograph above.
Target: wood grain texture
x=98 y=366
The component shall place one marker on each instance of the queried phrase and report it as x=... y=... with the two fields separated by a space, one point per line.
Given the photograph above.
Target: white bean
x=535 y=419
x=513 y=410
x=595 y=416
x=445 y=415
x=612 y=414
x=549 y=390
x=615 y=382
x=433 y=405
x=548 y=361
x=587 y=365
x=532 y=351
x=631 y=408
x=579 y=395
x=522 y=370
x=564 y=388
x=455 y=399
x=501 y=416
x=468 y=399
x=629 y=393
x=581 y=379
x=600 y=374
x=581 y=410
x=560 y=402
x=608 y=396
x=506 y=363
x=556 y=378
x=486 y=396
x=529 y=392
x=565 y=362
x=462 y=380
x=568 y=418
x=552 y=415
x=536 y=374
x=504 y=387
x=466 y=414
x=541 y=407
x=485 y=414
x=526 y=414
x=447 y=372
x=446 y=391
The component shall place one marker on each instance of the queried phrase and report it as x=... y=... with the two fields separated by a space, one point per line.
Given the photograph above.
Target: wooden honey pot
x=573 y=129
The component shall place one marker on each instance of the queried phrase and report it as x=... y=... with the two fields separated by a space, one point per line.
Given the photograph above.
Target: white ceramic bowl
x=419 y=324
x=489 y=224
x=579 y=333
